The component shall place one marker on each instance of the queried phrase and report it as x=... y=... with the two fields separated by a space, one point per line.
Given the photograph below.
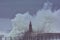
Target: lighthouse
x=30 y=27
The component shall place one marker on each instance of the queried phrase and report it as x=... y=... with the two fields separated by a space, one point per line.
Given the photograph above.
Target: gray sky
x=5 y=25
x=8 y=8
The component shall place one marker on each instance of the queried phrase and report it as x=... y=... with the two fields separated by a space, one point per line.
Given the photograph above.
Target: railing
x=44 y=36
x=49 y=36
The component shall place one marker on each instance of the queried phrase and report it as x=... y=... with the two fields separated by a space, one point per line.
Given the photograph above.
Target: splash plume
x=44 y=22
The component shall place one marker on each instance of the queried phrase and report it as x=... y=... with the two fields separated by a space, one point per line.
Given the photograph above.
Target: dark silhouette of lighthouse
x=30 y=27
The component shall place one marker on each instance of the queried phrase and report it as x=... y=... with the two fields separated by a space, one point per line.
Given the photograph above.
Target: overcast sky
x=9 y=8
x=5 y=25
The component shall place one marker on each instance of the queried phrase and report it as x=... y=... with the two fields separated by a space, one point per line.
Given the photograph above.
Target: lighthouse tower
x=30 y=27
